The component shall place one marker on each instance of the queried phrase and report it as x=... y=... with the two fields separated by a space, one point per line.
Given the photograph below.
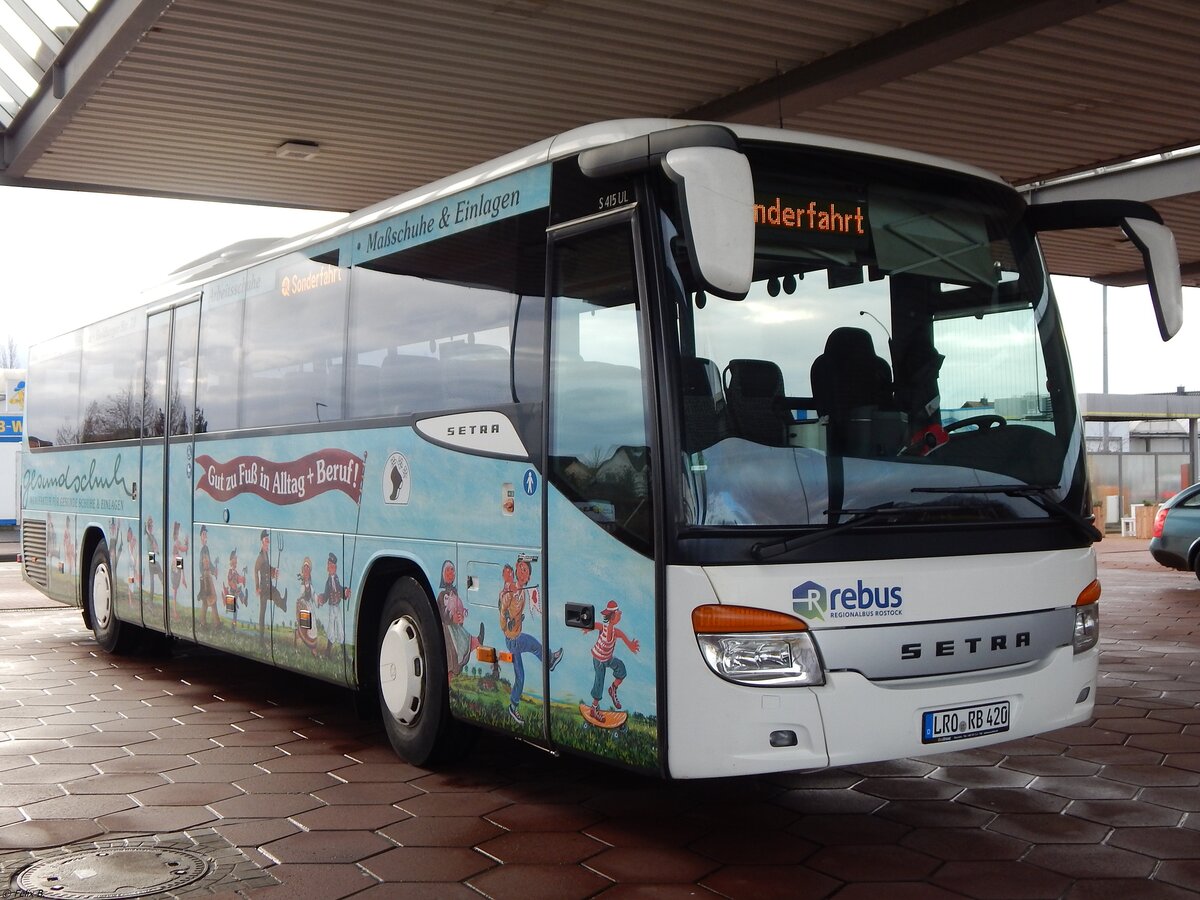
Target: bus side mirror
x=1157 y=245
x=1145 y=229
x=717 y=195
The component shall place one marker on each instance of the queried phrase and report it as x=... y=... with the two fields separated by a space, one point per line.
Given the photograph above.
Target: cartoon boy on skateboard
x=604 y=657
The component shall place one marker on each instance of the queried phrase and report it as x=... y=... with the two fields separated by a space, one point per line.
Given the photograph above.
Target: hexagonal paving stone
x=768 y=883
x=646 y=865
x=981 y=776
x=908 y=788
x=543 y=817
x=1091 y=861
x=51 y=774
x=935 y=814
x=36 y=835
x=79 y=755
x=1005 y=880
x=327 y=847
x=200 y=794
x=1015 y=800
x=472 y=804
x=132 y=764
x=296 y=783
x=264 y=806
x=753 y=845
x=521 y=881
x=442 y=831
x=367 y=792
x=1159 y=843
x=309 y=881
x=1093 y=788
x=881 y=864
x=233 y=756
x=78 y=807
x=539 y=848
x=1124 y=813
x=1046 y=829
x=415 y=864
x=118 y=783
x=157 y=819
x=347 y=818
x=648 y=831
x=965 y=843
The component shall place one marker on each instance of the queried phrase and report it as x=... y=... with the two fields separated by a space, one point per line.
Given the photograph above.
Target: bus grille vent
x=33 y=552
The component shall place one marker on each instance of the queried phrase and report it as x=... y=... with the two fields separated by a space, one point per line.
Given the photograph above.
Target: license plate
x=964 y=722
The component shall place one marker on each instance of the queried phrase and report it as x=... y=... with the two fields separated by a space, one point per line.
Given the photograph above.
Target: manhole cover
x=114 y=873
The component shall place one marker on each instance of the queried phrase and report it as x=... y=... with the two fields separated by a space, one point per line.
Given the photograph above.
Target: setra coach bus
x=700 y=449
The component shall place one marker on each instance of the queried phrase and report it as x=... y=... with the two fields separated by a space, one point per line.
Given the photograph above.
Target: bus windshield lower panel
x=899 y=351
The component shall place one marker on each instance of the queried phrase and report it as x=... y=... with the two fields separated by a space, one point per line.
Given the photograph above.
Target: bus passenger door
x=166 y=480
x=599 y=567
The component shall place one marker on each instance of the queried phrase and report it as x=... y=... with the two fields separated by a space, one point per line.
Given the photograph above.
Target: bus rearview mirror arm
x=1145 y=229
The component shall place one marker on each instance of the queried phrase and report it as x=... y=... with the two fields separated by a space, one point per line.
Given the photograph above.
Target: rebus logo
x=810 y=601
x=852 y=601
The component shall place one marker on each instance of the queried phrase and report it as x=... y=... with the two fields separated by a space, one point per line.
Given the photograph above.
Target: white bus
x=699 y=449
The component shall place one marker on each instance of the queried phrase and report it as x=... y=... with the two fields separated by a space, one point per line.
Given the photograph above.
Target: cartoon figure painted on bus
x=116 y=541
x=604 y=658
x=132 y=580
x=459 y=644
x=68 y=547
x=515 y=597
x=305 y=601
x=235 y=587
x=179 y=548
x=154 y=568
x=264 y=582
x=332 y=596
x=207 y=592
x=52 y=552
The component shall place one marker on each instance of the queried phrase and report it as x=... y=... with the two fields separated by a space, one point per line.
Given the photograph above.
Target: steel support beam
x=918 y=47
x=98 y=46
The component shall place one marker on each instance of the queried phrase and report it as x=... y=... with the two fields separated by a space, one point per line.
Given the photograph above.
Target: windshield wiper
x=859 y=517
x=1038 y=494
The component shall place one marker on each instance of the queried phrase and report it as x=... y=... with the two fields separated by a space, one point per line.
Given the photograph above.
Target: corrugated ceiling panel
x=1100 y=88
x=399 y=95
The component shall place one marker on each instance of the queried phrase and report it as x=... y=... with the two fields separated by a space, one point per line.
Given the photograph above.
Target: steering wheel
x=983 y=423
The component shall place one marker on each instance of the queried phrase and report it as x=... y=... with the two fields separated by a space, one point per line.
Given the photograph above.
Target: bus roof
x=244 y=254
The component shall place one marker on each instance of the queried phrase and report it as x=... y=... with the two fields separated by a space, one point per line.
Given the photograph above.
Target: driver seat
x=849 y=383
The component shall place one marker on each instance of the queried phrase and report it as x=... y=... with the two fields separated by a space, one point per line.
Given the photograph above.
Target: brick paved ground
x=273 y=778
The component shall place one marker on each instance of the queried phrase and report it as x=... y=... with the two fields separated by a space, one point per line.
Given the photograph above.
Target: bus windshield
x=898 y=348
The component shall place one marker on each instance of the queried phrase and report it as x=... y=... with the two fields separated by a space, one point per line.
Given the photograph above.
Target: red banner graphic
x=282 y=483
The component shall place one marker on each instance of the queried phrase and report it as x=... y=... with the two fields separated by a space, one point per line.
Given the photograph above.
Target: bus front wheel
x=413 y=685
x=113 y=635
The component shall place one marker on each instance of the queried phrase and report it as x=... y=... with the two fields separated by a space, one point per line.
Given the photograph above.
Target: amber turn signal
x=719 y=618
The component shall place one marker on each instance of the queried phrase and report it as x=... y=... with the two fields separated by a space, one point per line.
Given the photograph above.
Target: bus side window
x=295 y=330
x=436 y=320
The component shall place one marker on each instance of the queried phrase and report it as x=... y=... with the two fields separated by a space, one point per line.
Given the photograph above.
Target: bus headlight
x=766 y=659
x=755 y=646
x=1087 y=618
x=1087 y=627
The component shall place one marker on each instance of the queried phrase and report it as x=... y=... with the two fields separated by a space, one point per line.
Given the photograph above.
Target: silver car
x=1176 y=540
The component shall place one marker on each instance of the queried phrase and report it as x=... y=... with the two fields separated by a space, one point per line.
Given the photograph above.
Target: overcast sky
x=71 y=258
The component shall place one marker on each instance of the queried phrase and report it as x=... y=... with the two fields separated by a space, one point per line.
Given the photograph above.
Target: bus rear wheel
x=413 y=684
x=113 y=635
